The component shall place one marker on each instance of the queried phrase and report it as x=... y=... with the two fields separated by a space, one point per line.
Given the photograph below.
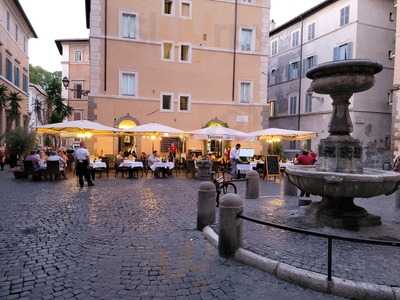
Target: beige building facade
x=15 y=32
x=75 y=63
x=181 y=63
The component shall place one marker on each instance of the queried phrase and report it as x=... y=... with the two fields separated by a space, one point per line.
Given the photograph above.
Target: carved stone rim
x=345 y=67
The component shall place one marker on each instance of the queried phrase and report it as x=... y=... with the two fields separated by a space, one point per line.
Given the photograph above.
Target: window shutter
x=304 y=68
x=349 y=51
x=336 y=53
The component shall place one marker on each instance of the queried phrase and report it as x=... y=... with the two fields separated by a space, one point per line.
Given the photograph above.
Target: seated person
x=143 y=156
x=33 y=157
x=54 y=156
x=154 y=158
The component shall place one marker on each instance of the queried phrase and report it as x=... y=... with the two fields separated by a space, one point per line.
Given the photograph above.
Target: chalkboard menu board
x=272 y=165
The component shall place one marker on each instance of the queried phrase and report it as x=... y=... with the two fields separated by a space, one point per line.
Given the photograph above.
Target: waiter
x=82 y=159
x=235 y=158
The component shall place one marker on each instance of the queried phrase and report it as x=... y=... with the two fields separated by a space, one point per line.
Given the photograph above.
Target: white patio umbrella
x=154 y=129
x=81 y=128
x=218 y=133
x=277 y=134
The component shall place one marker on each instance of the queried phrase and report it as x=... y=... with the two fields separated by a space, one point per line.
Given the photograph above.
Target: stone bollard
x=289 y=189
x=204 y=169
x=230 y=232
x=206 y=205
x=252 y=185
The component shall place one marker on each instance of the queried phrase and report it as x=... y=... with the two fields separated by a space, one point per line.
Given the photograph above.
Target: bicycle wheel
x=229 y=188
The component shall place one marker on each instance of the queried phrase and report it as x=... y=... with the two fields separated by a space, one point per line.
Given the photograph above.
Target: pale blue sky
x=57 y=19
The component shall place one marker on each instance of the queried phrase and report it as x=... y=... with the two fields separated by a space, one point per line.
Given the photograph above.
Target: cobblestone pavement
x=375 y=264
x=121 y=239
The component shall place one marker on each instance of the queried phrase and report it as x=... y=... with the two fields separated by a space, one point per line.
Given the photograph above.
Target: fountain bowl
x=347 y=76
x=371 y=183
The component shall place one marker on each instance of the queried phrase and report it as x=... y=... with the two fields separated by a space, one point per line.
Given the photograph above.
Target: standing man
x=82 y=159
x=234 y=159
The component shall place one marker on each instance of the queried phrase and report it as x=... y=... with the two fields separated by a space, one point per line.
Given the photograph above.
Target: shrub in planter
x=20 y=142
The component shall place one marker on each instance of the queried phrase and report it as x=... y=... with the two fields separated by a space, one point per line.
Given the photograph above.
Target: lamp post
x=65 y=82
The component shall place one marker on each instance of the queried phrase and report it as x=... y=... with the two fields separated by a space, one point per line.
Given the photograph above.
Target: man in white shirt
x=82 y=159
x=235 y=158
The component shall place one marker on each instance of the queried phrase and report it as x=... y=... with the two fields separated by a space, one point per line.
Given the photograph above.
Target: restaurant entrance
x=127 y=144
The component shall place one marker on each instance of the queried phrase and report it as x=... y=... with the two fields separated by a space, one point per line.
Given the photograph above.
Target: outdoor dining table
x=98 y=164
x=162 y=165
x=133 y=167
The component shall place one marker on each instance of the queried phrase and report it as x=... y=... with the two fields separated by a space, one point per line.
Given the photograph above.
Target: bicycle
x=225 y=187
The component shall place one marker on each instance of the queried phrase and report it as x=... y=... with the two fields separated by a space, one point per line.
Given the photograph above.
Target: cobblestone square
x=121 y=239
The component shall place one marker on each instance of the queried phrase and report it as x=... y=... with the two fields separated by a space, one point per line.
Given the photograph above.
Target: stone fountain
x=339 y=176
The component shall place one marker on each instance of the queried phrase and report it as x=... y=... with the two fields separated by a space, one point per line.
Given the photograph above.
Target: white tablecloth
x=131 y=164
x=98 y=165
x=244 y=168
x=167 y=165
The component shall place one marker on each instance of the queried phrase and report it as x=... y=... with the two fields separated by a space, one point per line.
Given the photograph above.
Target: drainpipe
x=234 y=52
x=301 y=73
x=105 y=43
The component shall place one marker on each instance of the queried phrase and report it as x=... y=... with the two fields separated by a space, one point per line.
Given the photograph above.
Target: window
x=78 y=88
x=293 y=72
x=16 y=76
x=272 y=109
x=8 y=21
x=292 y=105
x=129 y=26
x=78 y=56
x=166 y=102
x=128 y=84
x=292 y=145
x=309 y=63
x=247 y=1
x=25 y=44
x=9 y=70
x=25 y=82
x=184 y=103
x=272 y=78
x=167 y=51
x=185 y=53
x=345 y=16
x=186 y=9
x=308 y=103
x=391 y=17
x=343 y=52
x=247 y=39
x=274 y=47
x=77 y=115
x=311 y=31
x=168 y=8
x=245 y=92
x=16 y=32
x=295 y=39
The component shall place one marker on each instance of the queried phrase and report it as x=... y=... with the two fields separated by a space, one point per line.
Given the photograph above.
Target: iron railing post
x=329 y=259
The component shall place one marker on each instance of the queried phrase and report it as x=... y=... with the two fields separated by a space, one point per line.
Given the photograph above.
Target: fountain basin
x=338 y=190
x=347 y=76
x=371 y=183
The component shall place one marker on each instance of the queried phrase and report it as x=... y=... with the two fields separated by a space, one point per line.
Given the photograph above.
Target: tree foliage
x=20 y=141
x=14 y=106
x=51 y=83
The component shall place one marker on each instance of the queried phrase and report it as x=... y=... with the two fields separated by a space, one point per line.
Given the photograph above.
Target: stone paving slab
x=358 y=262
x=121 y=239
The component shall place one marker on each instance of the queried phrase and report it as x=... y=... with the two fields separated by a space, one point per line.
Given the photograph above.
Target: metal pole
x=234 y=52
x=329 y=259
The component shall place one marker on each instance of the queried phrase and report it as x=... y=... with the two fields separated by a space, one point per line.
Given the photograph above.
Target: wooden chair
x=53 y=170
x=190 y=168
x=29 y=170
